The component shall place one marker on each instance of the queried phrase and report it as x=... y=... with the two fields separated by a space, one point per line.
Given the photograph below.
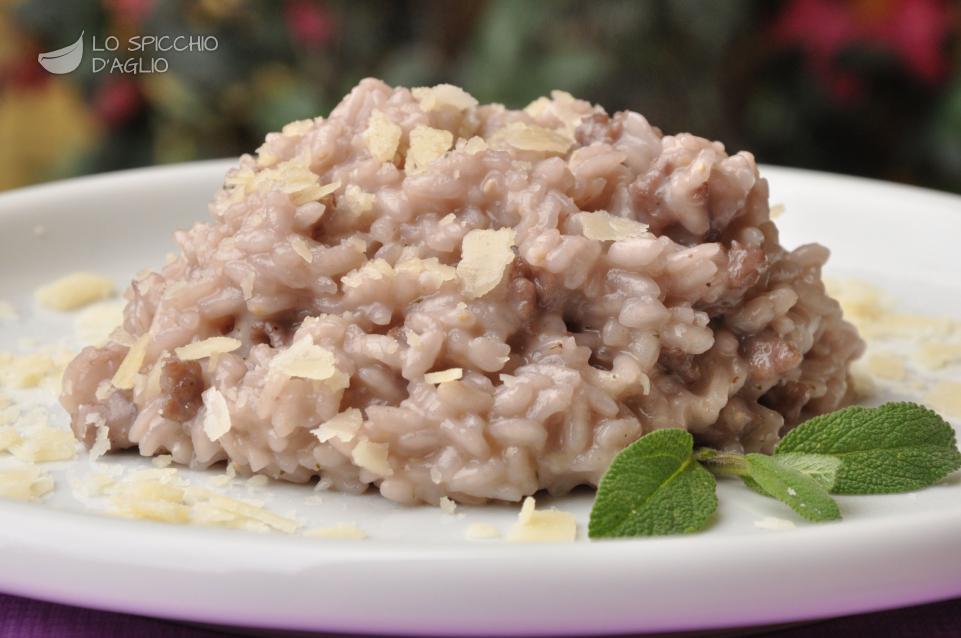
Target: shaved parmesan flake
x=340 y=531
x=372 y=457
x=299 y=244
x=124 y=378
x=382 y=137
x=481 y=532
x=443 y=96
x=25 y=483
x=530 y=137
x=217 y=417
x=206 y=348
x=426 y=145
x=74 y=291
x=603 y=226
x=344 y=426
x=322 y=191
x=547 y=526
x=485 y=255
x=46 y=444
x=306 y=360
x=443 y=376
x=777 y=210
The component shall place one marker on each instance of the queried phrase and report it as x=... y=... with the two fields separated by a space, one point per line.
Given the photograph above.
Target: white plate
x=416 y=574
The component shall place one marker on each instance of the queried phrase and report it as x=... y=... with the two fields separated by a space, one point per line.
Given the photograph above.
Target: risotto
x=448 y=299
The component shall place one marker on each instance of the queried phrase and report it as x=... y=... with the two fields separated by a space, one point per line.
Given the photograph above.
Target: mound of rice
x=442 y=298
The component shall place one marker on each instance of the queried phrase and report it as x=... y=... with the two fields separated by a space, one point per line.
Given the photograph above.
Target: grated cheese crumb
x=550 y=526
x=372 y=457
x=208 y=505
x=356 y=201
x=344 y=426
x=229 y=475
x=481 y=532
x=162 y=461
x=74 y=291
x=945 y=398
x=382 y=137
x=426 y=145
x=447 y=505
x=217 y=417
x=126 y=374
x=258 y=480
x=30 y=370
x=46 y=444
x=102 y=443
x=9 y=437
x=777 y=210
x=297 y=128
x=444 y=376
x=887 y=366
x=206 y=348
x=25 y=483
x=485 y=255
x=474 y=145
x=774 y=523
x=374 y=269
x=935 y=356
x=95 y=323
x=340 y=531
x=603 y=226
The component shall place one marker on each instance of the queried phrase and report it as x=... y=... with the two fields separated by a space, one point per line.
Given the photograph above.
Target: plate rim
x=617 y=555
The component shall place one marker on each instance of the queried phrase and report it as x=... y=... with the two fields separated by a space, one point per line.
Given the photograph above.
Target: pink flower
x=310 y=24
x=117 y=100
x=914 y=31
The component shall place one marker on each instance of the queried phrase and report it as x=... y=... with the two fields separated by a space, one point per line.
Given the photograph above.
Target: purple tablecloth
x=24 y=618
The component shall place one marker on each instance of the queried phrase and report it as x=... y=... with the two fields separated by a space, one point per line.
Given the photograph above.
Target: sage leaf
x=653 y=487
x=798 y=491
x=823 y=468
x=897 y=447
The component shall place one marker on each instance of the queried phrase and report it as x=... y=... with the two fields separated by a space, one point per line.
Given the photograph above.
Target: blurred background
x=866 y=87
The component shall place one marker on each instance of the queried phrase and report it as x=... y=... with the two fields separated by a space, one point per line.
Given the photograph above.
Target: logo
x=138 y=54
x=63 y=60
